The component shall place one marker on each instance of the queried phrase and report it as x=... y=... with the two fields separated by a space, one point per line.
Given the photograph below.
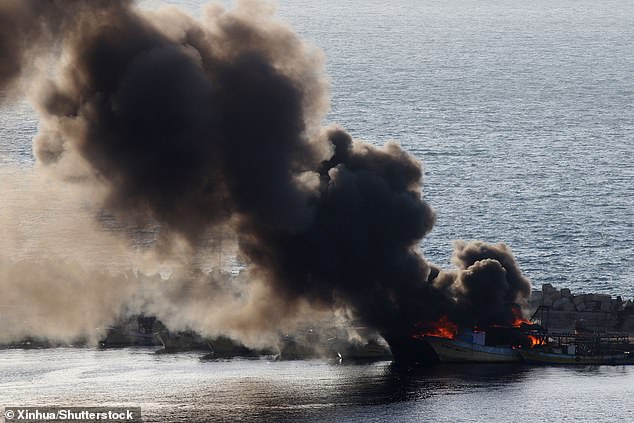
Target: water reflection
x=182 y=388
x=404 y=383
x=318 y=391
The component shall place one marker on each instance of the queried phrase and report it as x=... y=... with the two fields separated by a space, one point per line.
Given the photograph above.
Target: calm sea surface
x=181 y=388
x=523 y=115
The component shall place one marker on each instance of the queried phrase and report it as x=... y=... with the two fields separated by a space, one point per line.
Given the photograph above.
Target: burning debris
x=214 y=126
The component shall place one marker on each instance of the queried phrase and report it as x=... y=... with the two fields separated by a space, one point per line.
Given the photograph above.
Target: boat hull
x=542 y=357
x=459 y=351
x=409 y=350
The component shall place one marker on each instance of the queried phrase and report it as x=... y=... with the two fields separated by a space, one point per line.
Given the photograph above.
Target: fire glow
x=535 y=341
x=517 y=323
x=442 y=328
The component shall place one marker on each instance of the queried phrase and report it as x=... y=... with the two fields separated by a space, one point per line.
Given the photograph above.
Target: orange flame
x=518 y=322
x=534 y=340
x=519 y=319
x=442 y=328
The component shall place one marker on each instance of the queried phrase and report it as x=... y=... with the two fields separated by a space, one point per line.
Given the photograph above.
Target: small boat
x=470 y=347
x=347 y=350
x=537 y=356
x=581 y=348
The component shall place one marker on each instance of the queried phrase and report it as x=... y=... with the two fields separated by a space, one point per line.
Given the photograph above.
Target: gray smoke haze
x=213 y=127
x=29 y=28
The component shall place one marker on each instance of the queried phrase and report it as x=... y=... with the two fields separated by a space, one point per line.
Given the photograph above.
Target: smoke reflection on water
x=182 y=388
x=317 y=391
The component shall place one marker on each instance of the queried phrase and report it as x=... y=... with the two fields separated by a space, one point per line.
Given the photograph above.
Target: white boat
x=471 y=348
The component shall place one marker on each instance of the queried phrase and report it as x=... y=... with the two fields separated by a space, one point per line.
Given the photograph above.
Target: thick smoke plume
x=202 y=128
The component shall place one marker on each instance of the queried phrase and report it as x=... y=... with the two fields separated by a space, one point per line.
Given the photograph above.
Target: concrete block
x=569 y=307
x=536 y=297
x=547 y=289
x=628 y=325
x=565 y=292
x=578 y=300
x=548 y=302
x=606 y=306
x=559 y=303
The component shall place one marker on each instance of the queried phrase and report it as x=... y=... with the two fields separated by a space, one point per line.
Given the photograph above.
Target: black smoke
x=194 y=125
x=488 y=286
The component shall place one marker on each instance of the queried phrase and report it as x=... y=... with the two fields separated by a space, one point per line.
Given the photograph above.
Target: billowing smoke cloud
x=214 y=126
x=488 y=286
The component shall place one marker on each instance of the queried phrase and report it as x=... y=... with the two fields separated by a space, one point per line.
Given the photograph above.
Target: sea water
x=183 y=388
x=523 y=116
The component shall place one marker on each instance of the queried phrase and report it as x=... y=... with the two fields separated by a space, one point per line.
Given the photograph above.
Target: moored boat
x=580 y=348
x=471 y=347
x=537 y=356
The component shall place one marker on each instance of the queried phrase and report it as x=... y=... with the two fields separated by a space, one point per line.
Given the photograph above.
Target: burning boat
x=579 y=348
x=470 y=347
x=585 y=344
x=492 y=344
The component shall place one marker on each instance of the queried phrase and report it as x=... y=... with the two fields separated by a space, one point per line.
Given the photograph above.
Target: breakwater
x=563 y=310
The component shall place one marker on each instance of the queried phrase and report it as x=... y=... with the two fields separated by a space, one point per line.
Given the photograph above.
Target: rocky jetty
x=562 y=310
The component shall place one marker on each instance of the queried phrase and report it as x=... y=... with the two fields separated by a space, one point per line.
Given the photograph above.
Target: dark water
x=181 y=388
